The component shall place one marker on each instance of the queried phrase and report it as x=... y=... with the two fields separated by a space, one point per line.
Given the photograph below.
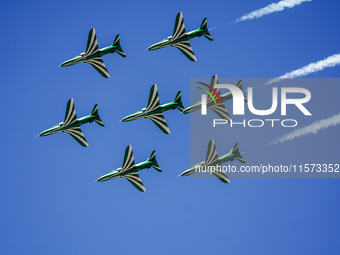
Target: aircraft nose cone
x=152 y=47
x=66 y=63
x=129 y=118
x=42 y=133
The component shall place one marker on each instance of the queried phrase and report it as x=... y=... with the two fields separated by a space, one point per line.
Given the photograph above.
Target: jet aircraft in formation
x=213 y=160
x=93 y=54
x=72 y=125
x=129 y=170
x=180 y=39
x=154 y=110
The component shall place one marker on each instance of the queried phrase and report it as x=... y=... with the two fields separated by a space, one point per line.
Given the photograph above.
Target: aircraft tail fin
x=237 y=153
x=119 y=49
x=204 y=27
x=178 y=100
x=239 y=85
x=155 y=164
x=95 y=113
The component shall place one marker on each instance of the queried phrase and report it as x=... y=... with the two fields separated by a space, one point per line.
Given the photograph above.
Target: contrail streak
x=310 y=129
x=331 y=61
x=274 y=7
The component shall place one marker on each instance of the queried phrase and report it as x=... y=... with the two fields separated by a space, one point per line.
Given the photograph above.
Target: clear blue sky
x=49 y=202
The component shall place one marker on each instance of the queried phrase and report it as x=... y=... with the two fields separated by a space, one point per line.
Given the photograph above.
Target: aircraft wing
x=211 y=153
x=159 y=120
x=99 y=65
x=70 y=114
x=211 y=158
x=129 y=161
x=222 y=176
x=92 y=44
x=179 y=29
x=221 y=111
x=153 y=102
x=135 y=180
x=77 y=134
x=186 y=49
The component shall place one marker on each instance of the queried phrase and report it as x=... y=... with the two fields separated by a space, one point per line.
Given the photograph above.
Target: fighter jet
x=180 y=38
x=93 y=54
x=213 y=162
x=129 y=170
x=154 y=111
x=72 y=125
x=213 y=100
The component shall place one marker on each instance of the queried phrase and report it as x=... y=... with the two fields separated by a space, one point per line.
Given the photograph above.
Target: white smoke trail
x=274 y=7
x=331 y=61
x=310 y=129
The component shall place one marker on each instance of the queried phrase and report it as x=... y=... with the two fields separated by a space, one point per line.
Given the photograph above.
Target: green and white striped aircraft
x=93 y=54
x=129 y=170
x=180 y=38
x=213 y=163
x=72 y=125
x=213 y=101
x=154 y=110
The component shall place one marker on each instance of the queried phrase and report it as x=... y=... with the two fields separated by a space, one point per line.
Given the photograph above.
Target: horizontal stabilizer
x=95 y=110
x=237 y=153
x=204 y=27
x=155 y=164
x=119 y=49
x=96 y=114
x=99 y=121
x=178 y=100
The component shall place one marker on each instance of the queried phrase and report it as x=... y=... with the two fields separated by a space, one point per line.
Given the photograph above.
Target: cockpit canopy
x=61 y=123
x=82 y=54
